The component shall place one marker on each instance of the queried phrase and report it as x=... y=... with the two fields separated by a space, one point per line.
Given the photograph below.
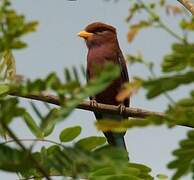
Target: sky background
x=55 y=45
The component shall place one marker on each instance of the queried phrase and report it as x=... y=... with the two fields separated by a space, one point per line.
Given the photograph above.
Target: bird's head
x=97 y=34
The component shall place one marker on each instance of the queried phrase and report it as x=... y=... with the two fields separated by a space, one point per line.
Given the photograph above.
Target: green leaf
x=183 y=164
x=30 y=27
x=73 y=161
x=68 y=134
x=10 y=109
x=13 y=27
x=12 y=160
x=36 y=110
x=182 y=112
x=113 y=153
x=48 y=123
x=158 y=86
x=32 y=125
x=141 y=167
x=103 y=171
x=115 y=177
x=121 y=177
x=187 y=24
x=18 y=45
x=187 y=144
x=4 y=89
x=162 y=177
x=7 y=66
x=91 y=143
x=181 y=57
x=49 y=129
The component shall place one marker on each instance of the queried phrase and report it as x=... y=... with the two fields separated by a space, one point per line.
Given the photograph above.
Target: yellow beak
x=84 y=34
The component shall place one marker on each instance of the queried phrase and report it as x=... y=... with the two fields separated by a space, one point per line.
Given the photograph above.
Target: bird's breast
x=99 y=56
x=96 y=59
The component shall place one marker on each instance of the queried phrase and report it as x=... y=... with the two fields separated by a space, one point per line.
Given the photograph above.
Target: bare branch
x=130 y=112
x=104 y=108
x=188 y=5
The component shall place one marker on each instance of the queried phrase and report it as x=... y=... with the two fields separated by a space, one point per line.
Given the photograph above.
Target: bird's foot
x=93 y=103
x=121 y=108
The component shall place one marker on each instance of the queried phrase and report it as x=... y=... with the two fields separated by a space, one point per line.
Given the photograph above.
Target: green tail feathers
x=116 y=139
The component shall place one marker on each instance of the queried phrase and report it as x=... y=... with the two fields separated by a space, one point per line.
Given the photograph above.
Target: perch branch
x=85 y=105
x=104 y=108
x=188 y=5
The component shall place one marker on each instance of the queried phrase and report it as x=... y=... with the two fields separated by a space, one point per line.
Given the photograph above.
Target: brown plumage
x=103 y=47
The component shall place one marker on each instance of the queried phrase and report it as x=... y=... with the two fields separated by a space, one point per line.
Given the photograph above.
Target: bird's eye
x=99 y=31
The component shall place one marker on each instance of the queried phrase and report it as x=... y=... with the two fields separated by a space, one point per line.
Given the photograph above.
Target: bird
x=103 y=47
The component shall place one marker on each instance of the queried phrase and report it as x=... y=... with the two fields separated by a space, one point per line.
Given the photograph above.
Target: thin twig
x=188 y=5
x=160 y=22
x=165 y=93
x=33 y=140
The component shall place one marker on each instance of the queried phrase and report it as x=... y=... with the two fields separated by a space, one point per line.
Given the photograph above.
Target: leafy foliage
x=177 y=70
x=13 y=27
x=12 y=159
x=183 y=111
x=70 y=93
x=183 y=164
x=158 y=86
x=10 y=109
x=7 y=66
x=90 y=157
x=4 y=89
x=79 y=161
x=181 y=58
x=187 y=24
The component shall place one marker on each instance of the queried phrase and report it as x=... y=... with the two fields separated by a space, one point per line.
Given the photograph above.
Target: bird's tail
x=116 y=139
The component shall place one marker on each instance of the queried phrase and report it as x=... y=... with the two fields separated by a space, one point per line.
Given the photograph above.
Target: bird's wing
x=87 y=75
x=124 y=73
x=123 y=66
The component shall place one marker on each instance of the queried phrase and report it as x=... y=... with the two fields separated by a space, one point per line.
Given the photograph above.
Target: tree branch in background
x=188 y=5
